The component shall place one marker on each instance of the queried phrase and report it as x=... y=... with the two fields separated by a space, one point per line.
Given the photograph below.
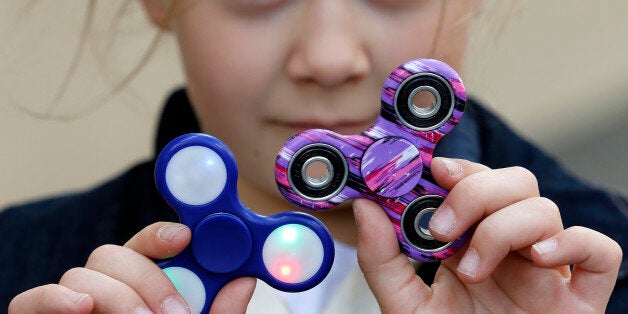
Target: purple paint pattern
x=387 y=166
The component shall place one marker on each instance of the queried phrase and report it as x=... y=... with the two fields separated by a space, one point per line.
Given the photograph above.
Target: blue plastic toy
x=197 y=175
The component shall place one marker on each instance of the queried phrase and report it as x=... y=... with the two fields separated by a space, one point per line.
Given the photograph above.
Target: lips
x=340 y=126
x=344 y=115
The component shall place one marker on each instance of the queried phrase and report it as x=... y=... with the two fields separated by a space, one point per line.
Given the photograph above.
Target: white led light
x=196 y=175
x=293 y=253
x=189 y=286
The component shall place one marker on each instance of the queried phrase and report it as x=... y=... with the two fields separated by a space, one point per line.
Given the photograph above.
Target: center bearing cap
x=223 y=243
x=391 y=167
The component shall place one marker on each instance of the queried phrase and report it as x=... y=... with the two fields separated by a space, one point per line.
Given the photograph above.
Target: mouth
x=340 y=126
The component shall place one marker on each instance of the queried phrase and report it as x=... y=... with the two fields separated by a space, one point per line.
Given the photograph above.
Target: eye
x=196 y=175
x=256 y=6
x=402 y=4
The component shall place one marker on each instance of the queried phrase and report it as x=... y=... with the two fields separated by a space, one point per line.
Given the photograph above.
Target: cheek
x=225 y=79
x=219 y=74
x=420 y=33
x=229 y=83
x=400 y=38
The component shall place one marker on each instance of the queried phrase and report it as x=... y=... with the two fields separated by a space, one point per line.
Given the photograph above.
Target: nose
x=328 y=49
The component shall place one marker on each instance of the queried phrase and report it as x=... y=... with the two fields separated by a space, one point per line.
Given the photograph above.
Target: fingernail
x=443 y=220
x=452 y=166
x=173 y=306
x=546 y=246
x=142 y=310
x=75 y=297
x=469 y=263
x=167 y=232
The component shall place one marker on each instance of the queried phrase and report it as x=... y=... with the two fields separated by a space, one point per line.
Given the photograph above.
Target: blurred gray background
x=555 y=70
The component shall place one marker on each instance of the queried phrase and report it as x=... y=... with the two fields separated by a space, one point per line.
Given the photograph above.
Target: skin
x=304 y=64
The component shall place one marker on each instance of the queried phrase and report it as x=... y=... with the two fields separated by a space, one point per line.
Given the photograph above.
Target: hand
x=517 y=259
x=124 y=279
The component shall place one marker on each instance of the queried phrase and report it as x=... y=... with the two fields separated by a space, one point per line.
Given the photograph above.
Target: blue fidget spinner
x=197 y=175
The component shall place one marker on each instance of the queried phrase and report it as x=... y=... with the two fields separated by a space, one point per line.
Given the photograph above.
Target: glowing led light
x=189 y=286
x=286 y=270
x=289 y=234
x=293 y=253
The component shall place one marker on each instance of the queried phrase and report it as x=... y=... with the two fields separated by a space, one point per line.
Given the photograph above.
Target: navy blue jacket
x=42 y=240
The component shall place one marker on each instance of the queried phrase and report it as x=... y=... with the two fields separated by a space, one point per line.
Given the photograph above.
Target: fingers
x=160 y=240
x=516 y=227
x=51 y=299
x=506 y=204
x=388 y=272
x=234 y=297
x=117 y=279
x=145 y=277
x=477 y=195
x=596 y=259
x=110 y=295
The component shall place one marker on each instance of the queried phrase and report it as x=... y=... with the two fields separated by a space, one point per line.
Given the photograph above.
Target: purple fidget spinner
x=422 y=100
x=197 y=175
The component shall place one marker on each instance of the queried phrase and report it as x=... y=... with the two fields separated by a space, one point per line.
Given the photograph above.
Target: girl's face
x=261 y=71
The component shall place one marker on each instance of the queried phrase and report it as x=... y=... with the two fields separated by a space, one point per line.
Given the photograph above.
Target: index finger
x=449 y=171
x=478 y=192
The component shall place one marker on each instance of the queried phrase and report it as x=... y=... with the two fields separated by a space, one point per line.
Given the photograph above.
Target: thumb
x=388 y=272
x=161 y=240
x=234 y=297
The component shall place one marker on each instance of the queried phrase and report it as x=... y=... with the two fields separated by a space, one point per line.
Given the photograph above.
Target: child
x=261 y=71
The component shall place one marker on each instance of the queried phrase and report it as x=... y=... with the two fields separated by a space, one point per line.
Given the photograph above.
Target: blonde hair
x=79 y=53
